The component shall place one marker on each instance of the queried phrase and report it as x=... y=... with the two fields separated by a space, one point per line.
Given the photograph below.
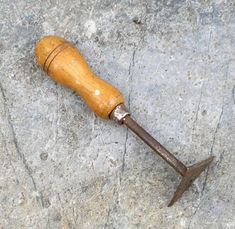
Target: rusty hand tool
x=66 y=65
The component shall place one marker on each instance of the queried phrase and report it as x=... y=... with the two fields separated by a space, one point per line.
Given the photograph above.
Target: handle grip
x=66 y=65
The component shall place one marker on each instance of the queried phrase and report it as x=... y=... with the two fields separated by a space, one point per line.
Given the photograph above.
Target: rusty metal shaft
x=189 y=173
x=155 y=145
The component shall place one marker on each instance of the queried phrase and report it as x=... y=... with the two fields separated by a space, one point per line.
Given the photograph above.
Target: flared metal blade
x=192 y=173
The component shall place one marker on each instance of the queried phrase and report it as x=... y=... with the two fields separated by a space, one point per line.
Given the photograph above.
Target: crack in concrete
x=131 y=65
x=111 y=206
x=116 y=193
x=213 y=141
x=207 y=170
x=20 y=154
x=212 y=147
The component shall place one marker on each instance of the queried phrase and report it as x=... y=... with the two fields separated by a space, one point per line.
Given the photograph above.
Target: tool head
x=191 y=174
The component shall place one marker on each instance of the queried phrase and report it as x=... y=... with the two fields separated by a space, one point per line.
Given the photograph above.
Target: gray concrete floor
x=62 y=167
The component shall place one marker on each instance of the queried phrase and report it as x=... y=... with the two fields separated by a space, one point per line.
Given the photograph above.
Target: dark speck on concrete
x=137 y=21
x=44 y=156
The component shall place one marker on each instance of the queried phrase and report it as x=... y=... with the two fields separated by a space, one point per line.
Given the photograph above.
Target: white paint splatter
x=97 y=92
x=91 y=28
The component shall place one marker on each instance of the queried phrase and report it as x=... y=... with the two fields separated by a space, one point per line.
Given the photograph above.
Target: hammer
x=66 y=65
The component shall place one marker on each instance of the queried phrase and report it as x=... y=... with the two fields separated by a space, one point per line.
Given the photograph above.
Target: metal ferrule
x=119 y=113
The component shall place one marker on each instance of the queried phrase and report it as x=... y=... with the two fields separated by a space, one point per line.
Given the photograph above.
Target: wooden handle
x=66 y=65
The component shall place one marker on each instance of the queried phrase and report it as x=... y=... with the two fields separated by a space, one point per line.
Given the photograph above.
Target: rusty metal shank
x=121 y=115
x=155 y=145
x=189 y=174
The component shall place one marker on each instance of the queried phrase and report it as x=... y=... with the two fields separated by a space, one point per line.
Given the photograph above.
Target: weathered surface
x=62 y=167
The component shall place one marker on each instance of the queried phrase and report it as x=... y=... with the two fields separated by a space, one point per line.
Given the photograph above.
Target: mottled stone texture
x=62 y=167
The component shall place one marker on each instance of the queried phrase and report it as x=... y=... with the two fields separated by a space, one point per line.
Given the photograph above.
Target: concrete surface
x=62 y=167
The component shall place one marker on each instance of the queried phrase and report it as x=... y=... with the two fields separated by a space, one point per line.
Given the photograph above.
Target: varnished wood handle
x=66 y=65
